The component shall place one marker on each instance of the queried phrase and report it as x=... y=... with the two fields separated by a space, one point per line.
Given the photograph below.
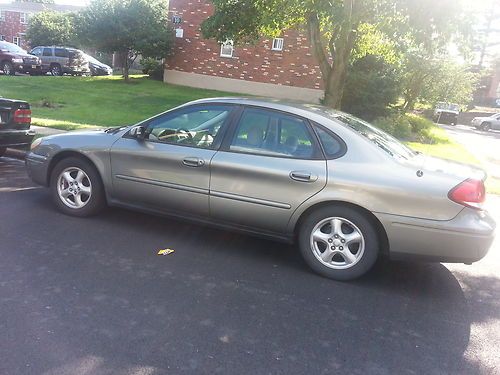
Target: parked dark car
x=98 y=68
x=15 y=120
x=62 y=60
x=446 y=113
x=14 y=59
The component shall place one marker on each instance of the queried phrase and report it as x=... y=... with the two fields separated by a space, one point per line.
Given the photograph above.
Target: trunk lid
x=8 y=107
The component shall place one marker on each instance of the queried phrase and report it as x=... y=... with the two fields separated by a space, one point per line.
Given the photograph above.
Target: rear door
x=47 y=58
x=169 y=169
x=270 y=163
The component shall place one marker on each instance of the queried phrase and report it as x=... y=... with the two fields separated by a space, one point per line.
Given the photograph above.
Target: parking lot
x=91 y=296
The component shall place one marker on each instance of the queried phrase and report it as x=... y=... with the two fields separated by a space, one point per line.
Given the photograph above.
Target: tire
x=56 y=70
x=363 y=252
x=66 y=179
x=8 y=68
x=485 y=126
x=2 y=151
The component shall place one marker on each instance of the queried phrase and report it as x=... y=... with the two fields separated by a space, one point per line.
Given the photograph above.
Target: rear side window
x=332 y=145
x=273 y=133
x=61 y=52
x=47 y=52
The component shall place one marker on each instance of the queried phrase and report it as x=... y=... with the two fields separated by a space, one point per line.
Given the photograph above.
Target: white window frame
x=23 y=18
x=2 y=38
x=2 y=15
x=226 y=44
x=278 y=44
x=16 y=40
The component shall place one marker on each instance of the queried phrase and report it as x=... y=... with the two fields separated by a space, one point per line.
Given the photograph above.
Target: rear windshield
x=12 y=48
x=383 y=140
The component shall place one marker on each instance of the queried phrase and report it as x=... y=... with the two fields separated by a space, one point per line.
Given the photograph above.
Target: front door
x=169 y=168
x=269 y=165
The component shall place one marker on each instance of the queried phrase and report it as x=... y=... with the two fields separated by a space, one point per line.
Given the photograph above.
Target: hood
x=452 y=168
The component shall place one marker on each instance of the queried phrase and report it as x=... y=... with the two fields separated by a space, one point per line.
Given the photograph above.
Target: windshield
x=383 y=140
x=10 y=47
x=92 y=59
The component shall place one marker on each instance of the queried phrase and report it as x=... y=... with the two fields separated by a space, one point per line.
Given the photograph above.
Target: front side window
x=37 y=52
x=196 y=127
x=274 y=134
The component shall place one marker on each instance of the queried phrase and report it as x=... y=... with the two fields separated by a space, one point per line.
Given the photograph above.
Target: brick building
x=282 y=67
x=14 y=18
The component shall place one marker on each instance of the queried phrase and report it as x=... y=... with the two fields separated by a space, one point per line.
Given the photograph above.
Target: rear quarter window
x=332 y=145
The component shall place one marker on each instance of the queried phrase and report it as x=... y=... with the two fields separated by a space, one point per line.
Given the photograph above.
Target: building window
x=277 y=44
x=2 y=15
x=16 y=40
x=2 y=37
x=227 y=48
x=23 y=18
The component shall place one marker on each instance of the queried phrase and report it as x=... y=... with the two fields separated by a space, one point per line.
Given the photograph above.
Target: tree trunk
x=125 y=67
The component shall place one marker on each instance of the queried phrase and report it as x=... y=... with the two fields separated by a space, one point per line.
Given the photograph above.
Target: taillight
x=22 y=116
x=469 y=193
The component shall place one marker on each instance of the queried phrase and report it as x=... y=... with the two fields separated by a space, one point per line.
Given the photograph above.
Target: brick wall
x=12 y=27
x=294 y=66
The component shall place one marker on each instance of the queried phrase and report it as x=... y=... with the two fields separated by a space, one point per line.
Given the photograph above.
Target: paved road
x=90 y=296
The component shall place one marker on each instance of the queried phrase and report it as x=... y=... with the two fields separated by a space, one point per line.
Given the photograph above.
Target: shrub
x=397 y=125
x=153 y=68
x=419 y=124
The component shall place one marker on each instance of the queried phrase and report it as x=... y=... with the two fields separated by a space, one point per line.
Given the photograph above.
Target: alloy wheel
x=337 y=243
x=74 y=187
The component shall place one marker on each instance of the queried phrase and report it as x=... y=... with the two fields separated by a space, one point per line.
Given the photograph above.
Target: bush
x=153 y=68
x=397 y=125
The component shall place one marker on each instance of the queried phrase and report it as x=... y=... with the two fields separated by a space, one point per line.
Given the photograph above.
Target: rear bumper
x=16 y=138
x=464 y=239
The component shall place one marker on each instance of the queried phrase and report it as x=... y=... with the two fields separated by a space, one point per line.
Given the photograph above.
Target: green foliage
x=371 y=87
x=410 y=127
x=397 y=125
x=130 y=27
x=51 y=28
x=340 y=30
x=152 y=67
x=36 y=1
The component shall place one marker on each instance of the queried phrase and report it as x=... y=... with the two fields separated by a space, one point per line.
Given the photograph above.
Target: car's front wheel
x=77 y=188
x=485 y=126
x=8 y=68
x=338 y=242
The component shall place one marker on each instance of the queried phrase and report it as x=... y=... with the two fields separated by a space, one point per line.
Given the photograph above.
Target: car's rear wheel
x=8 y=68
x=77 y=188
x=338 y=242
x=2 y=151
x=56 y=70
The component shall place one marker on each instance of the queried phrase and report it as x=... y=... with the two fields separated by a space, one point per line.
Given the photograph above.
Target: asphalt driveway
x=91 y=296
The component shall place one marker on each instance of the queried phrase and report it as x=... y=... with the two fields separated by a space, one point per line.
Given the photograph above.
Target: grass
x=70 y=103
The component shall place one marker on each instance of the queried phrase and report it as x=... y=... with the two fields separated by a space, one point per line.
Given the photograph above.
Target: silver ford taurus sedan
x=345 y=191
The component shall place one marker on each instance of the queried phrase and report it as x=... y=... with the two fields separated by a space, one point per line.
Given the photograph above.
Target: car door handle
x=303 y=176
x=193 y=162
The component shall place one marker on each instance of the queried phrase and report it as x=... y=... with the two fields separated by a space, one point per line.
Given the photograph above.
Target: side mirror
x=138 y=132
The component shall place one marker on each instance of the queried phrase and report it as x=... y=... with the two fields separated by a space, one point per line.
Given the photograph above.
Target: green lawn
x=74 y=102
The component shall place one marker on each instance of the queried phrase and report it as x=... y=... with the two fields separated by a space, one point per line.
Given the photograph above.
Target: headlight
x=36 y=143
x=17 y=61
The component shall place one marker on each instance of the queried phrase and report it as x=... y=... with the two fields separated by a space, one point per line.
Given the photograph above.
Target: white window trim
x=278 y=44
x=23 y=18
x=18 y=40
x=2 y=37
x=227 y=43
x=2 y=15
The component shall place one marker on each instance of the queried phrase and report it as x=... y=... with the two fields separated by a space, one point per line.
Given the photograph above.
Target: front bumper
x=464 y=239
x=28 y=68
x=37 y=167
x=16 y=138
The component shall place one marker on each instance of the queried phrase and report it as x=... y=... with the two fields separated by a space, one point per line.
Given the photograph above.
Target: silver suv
x=62 y=60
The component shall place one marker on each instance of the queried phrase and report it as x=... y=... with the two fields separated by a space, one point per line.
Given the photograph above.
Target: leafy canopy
x=51 y=28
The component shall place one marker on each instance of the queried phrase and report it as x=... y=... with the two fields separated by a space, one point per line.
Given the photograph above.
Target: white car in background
x=487 y=123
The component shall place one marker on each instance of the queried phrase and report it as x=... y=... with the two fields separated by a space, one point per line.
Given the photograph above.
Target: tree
x=334 y=27
x=128 y=27
x=36 y=1
x=51 y=28
x=371 y=87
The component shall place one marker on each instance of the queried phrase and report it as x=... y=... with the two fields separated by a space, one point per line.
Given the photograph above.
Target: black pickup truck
x=15 y=120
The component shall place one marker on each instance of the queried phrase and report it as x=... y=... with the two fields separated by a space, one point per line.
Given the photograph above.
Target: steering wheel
x=185 y=131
